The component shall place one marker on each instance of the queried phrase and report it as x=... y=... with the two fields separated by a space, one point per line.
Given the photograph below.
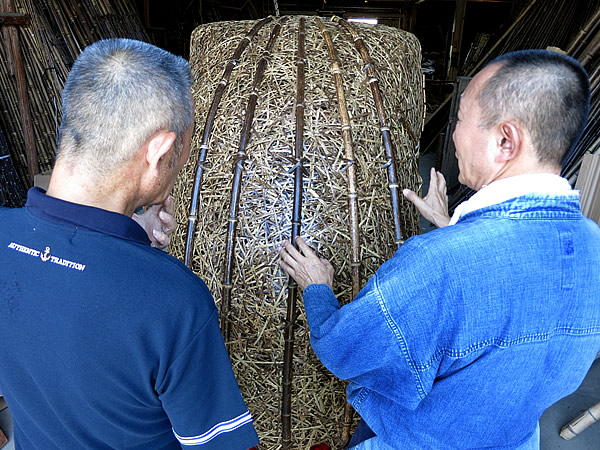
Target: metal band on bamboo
x=290 y=322
x=352 y=186
x=390 y=150
x=206 y=134
x=238 y=169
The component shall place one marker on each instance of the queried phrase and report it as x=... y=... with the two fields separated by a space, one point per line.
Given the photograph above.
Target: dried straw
x=259 y=289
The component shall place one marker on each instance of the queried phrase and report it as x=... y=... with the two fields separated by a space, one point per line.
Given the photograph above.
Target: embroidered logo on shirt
x=47 y=256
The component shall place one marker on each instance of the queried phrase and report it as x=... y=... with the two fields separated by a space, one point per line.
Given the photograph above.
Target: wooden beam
x=10 y=36
x=457 y=34
x=14 y=19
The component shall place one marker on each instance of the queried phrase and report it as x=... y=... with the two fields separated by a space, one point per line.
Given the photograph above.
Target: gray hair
x=118 y=93
x=545 y=92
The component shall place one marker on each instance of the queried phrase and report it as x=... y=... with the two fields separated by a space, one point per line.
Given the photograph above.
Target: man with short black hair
x=471 y=331
x=107 y=342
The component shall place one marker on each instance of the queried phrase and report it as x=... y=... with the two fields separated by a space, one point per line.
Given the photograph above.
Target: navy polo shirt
x=108 y=342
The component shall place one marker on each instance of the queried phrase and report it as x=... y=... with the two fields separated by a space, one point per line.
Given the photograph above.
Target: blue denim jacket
x=469 y=332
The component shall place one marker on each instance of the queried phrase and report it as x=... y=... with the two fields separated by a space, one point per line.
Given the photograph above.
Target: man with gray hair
x=469 y=332
x=108 y=342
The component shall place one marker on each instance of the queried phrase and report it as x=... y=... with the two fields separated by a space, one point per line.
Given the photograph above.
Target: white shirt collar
x=506 y=188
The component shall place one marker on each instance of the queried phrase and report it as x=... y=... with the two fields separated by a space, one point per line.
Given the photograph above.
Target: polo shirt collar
x=81 y=216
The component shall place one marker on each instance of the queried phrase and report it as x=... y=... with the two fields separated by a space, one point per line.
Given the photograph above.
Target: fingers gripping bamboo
x=206 y=134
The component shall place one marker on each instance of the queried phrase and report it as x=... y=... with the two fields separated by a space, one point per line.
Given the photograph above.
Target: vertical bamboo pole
x=290 y=322
x=11 y=39
x=207 y=131
x=352 y=185
x=238 y=169
x=457 y=35
x=390 y=150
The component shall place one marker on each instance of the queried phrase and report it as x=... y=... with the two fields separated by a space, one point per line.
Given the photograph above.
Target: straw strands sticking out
x=265 y=207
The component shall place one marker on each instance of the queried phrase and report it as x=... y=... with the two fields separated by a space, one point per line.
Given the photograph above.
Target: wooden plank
x=14 y=19
x=457 y=35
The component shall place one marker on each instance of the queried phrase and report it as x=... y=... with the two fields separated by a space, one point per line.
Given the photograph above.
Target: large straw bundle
x=296 y=149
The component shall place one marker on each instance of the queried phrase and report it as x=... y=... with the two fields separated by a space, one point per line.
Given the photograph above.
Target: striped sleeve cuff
x=220 y=428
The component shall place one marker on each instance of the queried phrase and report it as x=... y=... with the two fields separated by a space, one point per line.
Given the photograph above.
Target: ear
x=509 y=142
x=157 y=146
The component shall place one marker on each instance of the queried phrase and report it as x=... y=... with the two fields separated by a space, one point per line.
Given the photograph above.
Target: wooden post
x=147 y=13
x=457 y=34
x=13 y=48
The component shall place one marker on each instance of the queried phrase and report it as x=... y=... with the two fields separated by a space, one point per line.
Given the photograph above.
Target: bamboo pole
x=457 y=37
x=581 y=422
x=352 y=186
x=238 y=169
x=390 y=150
x=590 y=50
x=504 y=36
x=207 y=131
x=290 y=322
x=57 y=32
x=579 y=41
x=14 y=49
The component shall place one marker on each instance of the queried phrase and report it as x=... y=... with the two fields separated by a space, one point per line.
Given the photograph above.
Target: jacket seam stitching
x=401 y=342
x=507 y=343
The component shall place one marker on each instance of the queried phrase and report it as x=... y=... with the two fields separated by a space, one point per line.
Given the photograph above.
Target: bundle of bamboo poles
x=12 y=194
x=585 y=46
x=58 y=32
x=570 y=26
x=303 y=127
x=542 y=23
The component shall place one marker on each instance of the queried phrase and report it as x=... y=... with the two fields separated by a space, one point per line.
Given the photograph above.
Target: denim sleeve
x=356 y=343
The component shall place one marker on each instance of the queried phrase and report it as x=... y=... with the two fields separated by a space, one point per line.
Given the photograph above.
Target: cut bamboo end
x=576 y=426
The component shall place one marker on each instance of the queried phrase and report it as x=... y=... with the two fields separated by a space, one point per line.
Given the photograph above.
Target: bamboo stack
x=571 y=26
x=585 y=47
x=303 y=127
x=12 y=194
x=58 y=32
x=588 y=183
x=540 y=24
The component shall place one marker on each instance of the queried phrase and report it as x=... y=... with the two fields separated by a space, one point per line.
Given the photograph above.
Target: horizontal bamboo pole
x=576 y=426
